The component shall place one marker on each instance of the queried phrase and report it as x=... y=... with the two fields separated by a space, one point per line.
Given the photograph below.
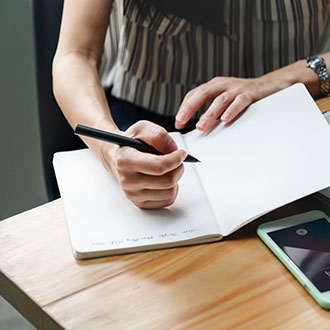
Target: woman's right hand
x=149 y=181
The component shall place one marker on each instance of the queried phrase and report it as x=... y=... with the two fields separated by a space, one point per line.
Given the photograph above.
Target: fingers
x=153 y=135
x=150 y=181
x=154 y=204
x=215 y=110
x=240 y=103
x=148 y=191
x=194 y=100
x=153 y=198
x=132 y=160
x=226 y=107
x=138 y=181
x=229 y=97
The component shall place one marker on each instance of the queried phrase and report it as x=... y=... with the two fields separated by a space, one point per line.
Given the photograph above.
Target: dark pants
x=126 y=114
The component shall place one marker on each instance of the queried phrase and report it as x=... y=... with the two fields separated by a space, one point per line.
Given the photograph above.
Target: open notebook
x=268 y=157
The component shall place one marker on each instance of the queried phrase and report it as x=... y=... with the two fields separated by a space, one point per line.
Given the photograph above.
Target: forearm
x=78 y=91
x=294 y=73
x=76 y=82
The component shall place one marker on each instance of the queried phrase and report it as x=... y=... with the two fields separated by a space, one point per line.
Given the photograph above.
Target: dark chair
x=56 y=134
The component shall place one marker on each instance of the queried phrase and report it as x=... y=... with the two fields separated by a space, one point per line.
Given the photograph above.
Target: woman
x=189 y=60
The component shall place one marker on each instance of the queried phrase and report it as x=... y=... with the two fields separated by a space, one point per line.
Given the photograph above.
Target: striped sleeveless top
x=154 y=62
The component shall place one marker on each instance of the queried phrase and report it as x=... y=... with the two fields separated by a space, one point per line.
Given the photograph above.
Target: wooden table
x=235 y=283
x=324 y=104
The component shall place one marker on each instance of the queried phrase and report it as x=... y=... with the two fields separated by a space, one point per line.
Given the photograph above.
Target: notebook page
x=269 y=157
x=99 y=217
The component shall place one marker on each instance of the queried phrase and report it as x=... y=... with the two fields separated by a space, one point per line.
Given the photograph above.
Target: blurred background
x=21 y=178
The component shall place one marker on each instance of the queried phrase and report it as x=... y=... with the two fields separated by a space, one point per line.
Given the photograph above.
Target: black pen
x=123 y=141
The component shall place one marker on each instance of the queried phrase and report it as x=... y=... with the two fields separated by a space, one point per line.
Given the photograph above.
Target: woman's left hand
x=228 y=96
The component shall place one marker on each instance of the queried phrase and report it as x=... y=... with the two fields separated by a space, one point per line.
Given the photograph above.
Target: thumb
x=154 y=135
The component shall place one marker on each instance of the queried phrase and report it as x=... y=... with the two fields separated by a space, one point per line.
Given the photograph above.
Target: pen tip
x=191 y=159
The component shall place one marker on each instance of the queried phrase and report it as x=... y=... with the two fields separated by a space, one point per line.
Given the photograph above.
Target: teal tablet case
x=303 y=280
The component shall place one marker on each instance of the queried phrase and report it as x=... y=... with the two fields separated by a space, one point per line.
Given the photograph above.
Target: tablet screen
x=308 y=246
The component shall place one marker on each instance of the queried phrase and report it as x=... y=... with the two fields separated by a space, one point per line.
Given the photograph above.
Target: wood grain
x=324 y=104
x=195 y=288
x=236 y=283
x=35 y=254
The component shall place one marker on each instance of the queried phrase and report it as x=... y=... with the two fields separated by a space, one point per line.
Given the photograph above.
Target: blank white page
x=271 y=155
x=100 y=217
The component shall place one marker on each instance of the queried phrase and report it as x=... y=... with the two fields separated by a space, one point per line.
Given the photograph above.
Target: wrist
x=299 y=73
x=318 y=65
x=296 y=72
x=105 y=122
x=275 y=81
x=105 y=151
x=107 y=154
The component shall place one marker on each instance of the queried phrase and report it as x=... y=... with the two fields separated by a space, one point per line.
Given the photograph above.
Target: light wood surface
x=324 y=104
x=235 y=283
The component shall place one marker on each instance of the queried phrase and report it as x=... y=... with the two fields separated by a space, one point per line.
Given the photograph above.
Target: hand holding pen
x=123 y=141
x=149 y=181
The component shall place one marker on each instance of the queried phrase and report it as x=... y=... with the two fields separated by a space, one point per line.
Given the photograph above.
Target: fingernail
x=178 y=125
x=181 y=116
x=202 y=124
x=225 y=117
x=172 y=146
x=184 y=155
